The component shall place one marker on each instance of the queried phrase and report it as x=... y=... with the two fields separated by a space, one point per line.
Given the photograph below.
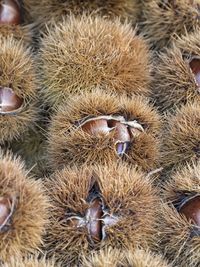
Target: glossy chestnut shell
x=9 y=101
x=191 y=210
x=195 y=67
x=123 y=131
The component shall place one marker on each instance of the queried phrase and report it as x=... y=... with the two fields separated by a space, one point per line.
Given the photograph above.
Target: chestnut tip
x=10 y=12
x=9 y=101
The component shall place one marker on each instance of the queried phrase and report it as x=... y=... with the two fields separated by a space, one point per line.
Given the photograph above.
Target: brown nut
x=96 y=127
x=9 y=101
x=195 y=67
x=123 y=130
x=93 y=216
x=191 y=210
x=10 y=12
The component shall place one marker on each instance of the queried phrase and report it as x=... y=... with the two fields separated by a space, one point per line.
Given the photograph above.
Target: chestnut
x=195 y=68
x=23 y=209
x=123 y=130
x=94 y=220
x=96 y=127
x=100 y=206
x=9 y=101
x=10 y=12
x=191 y=209
x=93 y=216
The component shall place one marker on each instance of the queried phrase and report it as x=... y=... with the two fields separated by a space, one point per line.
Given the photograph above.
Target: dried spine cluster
x=129 y=131
x=39 y=11
x=163 y=20
x=176 y=74
x=181 y=144
x=114 y=257
x=181 y=216
x=101 y=206
x=23 y=209
x=117 y=62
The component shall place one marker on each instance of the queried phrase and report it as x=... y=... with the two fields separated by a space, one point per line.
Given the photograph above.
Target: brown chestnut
x=6 y=211
x=123 y=130
x=122 y=136
x=10 y=12
x=9 y=101
x=96 y=127
x=93 y=217
x=95 y=220
x=195 y=67
x=191 y=210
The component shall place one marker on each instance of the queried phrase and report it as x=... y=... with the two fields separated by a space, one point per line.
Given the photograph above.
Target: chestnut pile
x=99 y=133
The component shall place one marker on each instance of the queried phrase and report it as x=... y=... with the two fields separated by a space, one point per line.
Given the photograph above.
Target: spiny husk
x=69 y=144
x=174 y=83
x=17 y=69
x=30 y=261
x=82 y=53
x=18 y=32
x=122 y=258
x=163 y=20
x=181 y=138
x=30 y=215
x=179 y=240
x=40 y=10
x=127 y=194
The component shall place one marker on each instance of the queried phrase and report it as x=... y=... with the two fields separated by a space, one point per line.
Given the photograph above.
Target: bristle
x=114 y=258
x=20 y=33
x=109 y=257
x=30 y=261
x=40 y=10
x=181 y=139
x=128 y=217
x=164 y=20
x=68 y=143
x=174 y=82
x=180 y=236
x=86 y=52
x=22 y=230
x=17 y=75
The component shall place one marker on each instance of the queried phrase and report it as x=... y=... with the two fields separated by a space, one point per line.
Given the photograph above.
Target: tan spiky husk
x=18 y=32
x=174 y=83
x=30 y=214
x=69 y=144
x=82 y=53
x=163 y=20
x=181 y=138
x=127 y=194
x=122 y=258
x=30 y=261
x=179 y=240
x=17 y=70
x=40 y=10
